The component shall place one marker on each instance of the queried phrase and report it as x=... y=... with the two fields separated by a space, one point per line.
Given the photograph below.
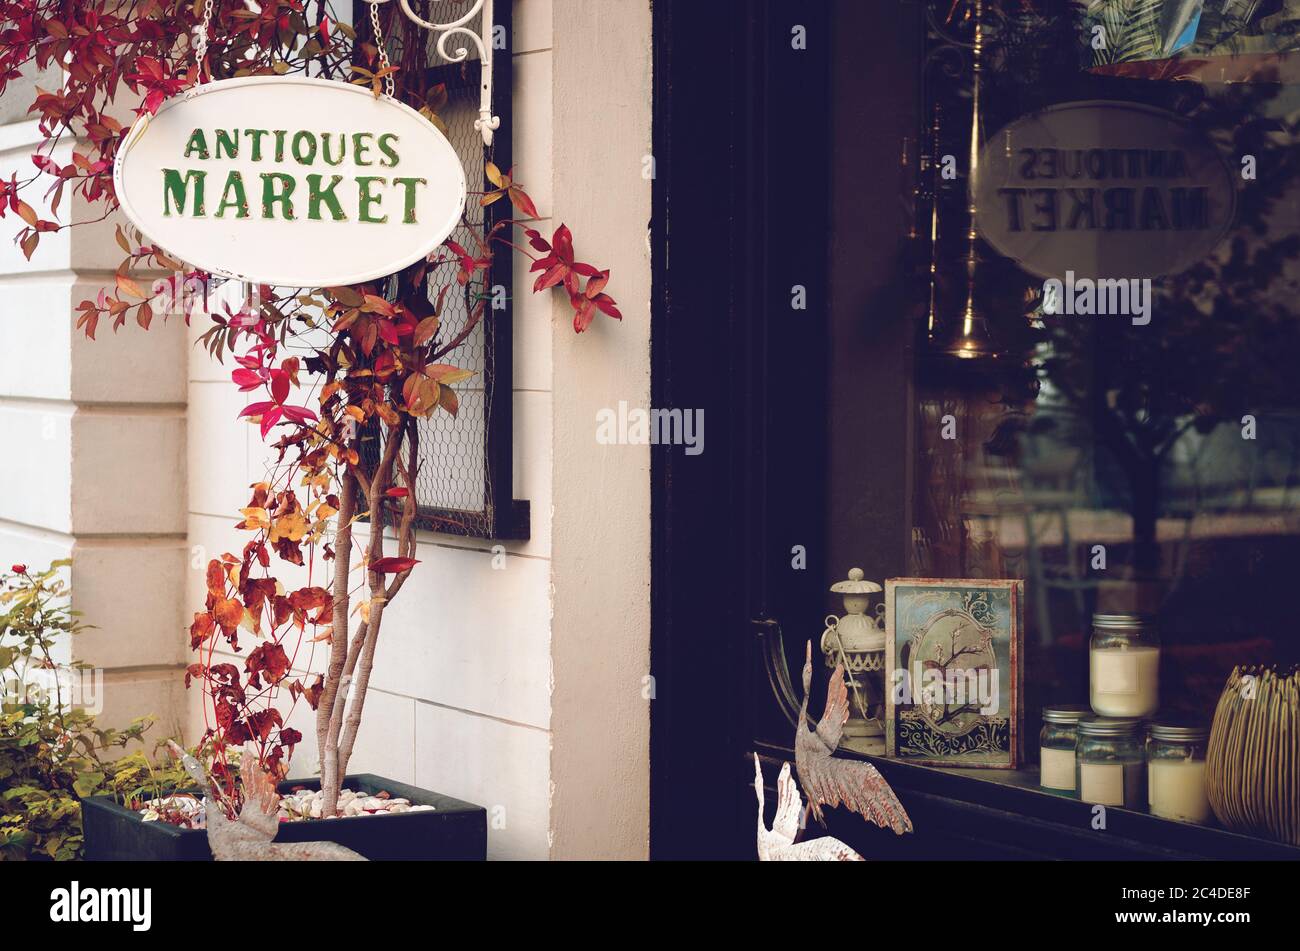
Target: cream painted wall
x=92 y=451
x=600 y=558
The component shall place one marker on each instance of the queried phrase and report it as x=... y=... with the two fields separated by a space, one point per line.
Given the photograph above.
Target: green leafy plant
x=51 y=753
x=1138 y=29
x=139 y=779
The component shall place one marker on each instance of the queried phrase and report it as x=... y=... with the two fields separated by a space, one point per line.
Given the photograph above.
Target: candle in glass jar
x=1056 y=744
x=1111 y=767
x=1124 y=680
x=1111 y=784
x=1057 y=769
x=1177 y=789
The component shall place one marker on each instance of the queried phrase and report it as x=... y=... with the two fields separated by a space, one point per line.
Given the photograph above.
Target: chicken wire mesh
x=463 y=485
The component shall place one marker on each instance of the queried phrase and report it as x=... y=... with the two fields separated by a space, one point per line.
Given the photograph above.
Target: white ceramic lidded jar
x=1176 y=770
x=1124 y=666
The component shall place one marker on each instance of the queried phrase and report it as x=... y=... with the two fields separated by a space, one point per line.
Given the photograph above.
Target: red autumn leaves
x=372 y=321
x=392 y=566
x=556 y=262
x=558 y=268
x=239 y=600
x=257 y=370
x=157 y=81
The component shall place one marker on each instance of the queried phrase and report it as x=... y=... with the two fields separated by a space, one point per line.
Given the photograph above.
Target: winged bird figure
x=249 y=838
x=777 y=844
x=856 y=785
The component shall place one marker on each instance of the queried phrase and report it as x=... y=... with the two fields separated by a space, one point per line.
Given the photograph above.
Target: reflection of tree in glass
x=1223 y=340
x=1224 y=333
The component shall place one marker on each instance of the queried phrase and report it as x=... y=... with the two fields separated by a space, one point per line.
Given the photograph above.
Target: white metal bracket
x=487 y=122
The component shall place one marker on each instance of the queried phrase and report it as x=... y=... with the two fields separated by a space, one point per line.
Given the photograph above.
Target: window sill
x=1003 y=814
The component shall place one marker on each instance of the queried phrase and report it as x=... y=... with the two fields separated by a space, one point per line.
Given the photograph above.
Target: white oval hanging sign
x=1104 y=190
x=290 y=181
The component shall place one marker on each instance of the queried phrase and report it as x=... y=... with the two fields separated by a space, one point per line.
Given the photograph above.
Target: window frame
x=503 y=517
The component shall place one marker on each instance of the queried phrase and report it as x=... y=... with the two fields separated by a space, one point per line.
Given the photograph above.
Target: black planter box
x=452 y=831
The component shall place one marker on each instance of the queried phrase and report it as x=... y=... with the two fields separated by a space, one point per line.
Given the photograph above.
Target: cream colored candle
x=1124 y=681
x=1111 y=784
x=1057 y=769
x=1177 y=789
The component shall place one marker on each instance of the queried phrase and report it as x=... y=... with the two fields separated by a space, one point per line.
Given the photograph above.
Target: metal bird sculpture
x=856 y=785
x=249 y=838
x=777 y=844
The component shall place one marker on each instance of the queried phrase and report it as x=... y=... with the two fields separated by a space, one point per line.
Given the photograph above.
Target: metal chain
x=201 y=37
x=380 y=44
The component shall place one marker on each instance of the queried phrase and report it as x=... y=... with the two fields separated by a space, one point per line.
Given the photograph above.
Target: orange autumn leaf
x=291 y=527
x=448 y=400
x=201 y=629
x=420 y=394
x=255 y=517
x=129 y=286
x=216 y=578
x=27 y=213
x=229 y=613
x=446 y=374
x=311 y=599
x=425 y=330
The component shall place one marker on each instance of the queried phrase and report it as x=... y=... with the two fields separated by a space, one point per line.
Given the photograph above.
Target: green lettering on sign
x=273 y=196
x=316 y=195
x=184 y=190
x=198 y=143
x=304 y=148
x=176 y=189
x=325 y=148
x=367 y=199
x=234 y=196
x=361 y=148
x=228 y=143
x=389 y=152
x=256 y=136
x=408 y=205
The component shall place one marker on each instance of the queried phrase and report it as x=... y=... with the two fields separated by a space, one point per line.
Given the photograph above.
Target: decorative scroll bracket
x=482 y=38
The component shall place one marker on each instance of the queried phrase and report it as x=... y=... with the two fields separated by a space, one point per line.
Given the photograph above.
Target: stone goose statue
x=777 y=844
x=249 y=838
x=856 y=785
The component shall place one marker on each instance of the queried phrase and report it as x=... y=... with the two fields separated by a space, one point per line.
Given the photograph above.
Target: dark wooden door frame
x=741 y=117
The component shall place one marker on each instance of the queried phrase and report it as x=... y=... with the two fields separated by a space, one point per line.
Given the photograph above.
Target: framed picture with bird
x=953 y=671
